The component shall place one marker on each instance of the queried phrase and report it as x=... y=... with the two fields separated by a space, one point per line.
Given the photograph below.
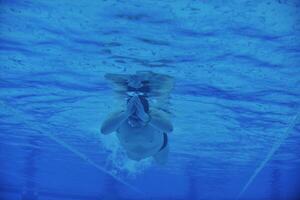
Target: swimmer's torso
x=140 y=142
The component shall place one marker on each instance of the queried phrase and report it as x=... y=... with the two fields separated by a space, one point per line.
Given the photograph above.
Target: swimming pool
x=234 y=106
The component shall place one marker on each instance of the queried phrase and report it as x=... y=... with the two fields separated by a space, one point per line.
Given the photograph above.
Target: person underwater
x=142 y=130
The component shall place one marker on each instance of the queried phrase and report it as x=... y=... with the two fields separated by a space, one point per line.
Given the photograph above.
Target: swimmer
x=142 y=130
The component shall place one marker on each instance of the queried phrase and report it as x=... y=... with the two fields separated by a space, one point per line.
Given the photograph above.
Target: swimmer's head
x=135 y=81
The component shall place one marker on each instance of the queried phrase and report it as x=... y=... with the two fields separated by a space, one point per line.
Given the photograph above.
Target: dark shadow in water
x=110 y=189
x=275 y=184
x=193 y=188
x=30 y=190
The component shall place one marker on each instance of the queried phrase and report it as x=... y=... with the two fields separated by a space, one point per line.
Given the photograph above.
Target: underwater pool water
x=234 y=105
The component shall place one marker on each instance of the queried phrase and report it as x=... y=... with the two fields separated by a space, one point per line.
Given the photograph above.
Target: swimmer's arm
x=113 y=122
x=159 y=120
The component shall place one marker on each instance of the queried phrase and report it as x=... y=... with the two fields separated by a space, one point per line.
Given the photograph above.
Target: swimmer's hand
x=131 y=107
x=140 y=111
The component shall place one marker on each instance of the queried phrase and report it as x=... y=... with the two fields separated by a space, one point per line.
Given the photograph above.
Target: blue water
x=235 y=105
